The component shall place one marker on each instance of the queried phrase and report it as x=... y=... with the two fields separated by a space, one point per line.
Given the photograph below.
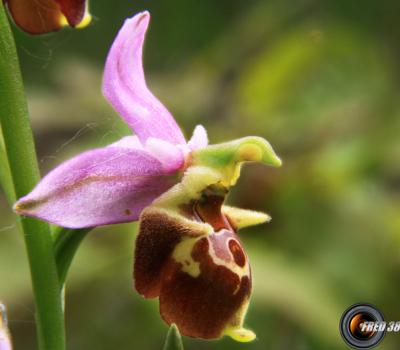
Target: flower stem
x=5 y=177
x=20 y=149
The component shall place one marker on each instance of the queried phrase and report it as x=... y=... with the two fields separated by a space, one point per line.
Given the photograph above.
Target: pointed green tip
x=256 y=149
x=277 y=162
x=246 y=149
x=174 y=339
x=227 y=158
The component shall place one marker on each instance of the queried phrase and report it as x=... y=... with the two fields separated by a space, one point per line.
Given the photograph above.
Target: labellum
x=188 y=252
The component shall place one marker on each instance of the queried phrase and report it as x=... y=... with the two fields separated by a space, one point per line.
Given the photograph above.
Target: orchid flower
x=5 y=340
x=43 y=16
x=187 y=251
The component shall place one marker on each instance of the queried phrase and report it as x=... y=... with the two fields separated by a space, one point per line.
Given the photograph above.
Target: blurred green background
x=318 y=79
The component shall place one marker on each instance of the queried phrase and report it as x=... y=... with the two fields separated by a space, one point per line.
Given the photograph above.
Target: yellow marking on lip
x=183 y=254
x=231 y=265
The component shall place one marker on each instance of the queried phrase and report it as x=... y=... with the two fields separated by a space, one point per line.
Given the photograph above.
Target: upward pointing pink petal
x=125 y=87
x=199 y=138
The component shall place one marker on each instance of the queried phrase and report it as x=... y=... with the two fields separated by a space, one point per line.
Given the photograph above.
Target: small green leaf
x=174 y=340
x=66 y=243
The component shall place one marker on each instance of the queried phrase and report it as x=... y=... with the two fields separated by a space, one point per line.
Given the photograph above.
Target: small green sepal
x=174 y=339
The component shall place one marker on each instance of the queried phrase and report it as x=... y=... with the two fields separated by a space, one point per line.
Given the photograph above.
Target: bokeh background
x=318 y=79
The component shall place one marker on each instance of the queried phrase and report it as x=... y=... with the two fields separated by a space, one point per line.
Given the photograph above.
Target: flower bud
x=44 y=16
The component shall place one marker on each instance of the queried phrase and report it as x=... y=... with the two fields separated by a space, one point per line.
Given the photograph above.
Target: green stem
x=5 y=177
x=20 y=149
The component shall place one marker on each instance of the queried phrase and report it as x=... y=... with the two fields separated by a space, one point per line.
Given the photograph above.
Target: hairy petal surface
x=98 y=187
x=159 y=233
x=192 y=259
x=128 y=142
x=125 y=87
x=171 y=157
x=43 y=16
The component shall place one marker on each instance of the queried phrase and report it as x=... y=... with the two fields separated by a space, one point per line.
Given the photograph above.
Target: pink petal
x=199 y=138
x=128 y=142
x=5 y=343
x=170 y=156
x=98 y=187
x=125 y=87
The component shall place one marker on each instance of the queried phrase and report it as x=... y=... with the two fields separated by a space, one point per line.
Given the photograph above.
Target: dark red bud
x=43 y=16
